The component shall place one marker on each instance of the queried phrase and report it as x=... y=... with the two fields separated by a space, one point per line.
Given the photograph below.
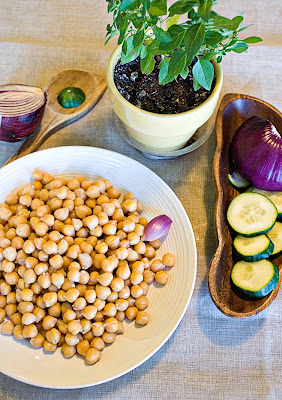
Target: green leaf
x=163 y=61
x=177 y=62
x=240 y=47
x=164 y=78
x=196 y=85
x=137 y=21
x=147 y=64
x=226 y=23
x=219 y=59
x=138 y=38
x=127 y=5
x=162 y=36
x=203 y=72
x=158 y=7
x=144 y=51
x=181 y=7
x=184 y=73
x=177 y=33
x=154 y=48
x=213 y=37
x=209 y=55
x=172 y=21
x=252 y=39
x=146 y=4
x=204 y=9
x=124 y=47
x=193 y=39
x=131 y=51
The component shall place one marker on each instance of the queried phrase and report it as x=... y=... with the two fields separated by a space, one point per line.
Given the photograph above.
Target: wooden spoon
x=233 y=111
x=55 y=116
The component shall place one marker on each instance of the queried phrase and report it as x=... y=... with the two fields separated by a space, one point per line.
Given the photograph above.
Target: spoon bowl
x=233 y=111
x=56 y=116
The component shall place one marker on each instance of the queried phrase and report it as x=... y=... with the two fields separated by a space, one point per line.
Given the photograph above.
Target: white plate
x=167 y=304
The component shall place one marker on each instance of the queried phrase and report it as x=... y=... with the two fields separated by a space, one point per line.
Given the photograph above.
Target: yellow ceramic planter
x=160 y=132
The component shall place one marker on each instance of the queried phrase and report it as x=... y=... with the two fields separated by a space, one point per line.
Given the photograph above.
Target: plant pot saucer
x=199 y=138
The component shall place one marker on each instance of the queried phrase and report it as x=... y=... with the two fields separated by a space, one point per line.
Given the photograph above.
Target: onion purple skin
x=256 y=151
x=157 y=228
x=15 y=129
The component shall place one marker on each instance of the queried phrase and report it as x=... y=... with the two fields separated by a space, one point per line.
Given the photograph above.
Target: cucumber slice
x=254 y=248
x=251 y=214
x=275 y=235
x=237 y=181
x=275 y=197
x=255 y=279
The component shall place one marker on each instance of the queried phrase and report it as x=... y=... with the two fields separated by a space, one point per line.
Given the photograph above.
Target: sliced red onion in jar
x=256 y=150
x=157 y=228
x=21 y=111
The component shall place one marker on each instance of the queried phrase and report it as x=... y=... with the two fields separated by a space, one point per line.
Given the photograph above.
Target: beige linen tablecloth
x=210 y=356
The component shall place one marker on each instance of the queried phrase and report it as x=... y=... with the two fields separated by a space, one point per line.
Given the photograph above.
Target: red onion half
x=256 y=150
x=157 y=228
x=21 y=111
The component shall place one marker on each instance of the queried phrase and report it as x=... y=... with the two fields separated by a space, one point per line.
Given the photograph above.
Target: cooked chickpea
x=29 y=276
x=57 y=278
x=99 y=316
x=22 y=230
x=55 y=310
x=28 y=318
x=2 y=314
x=56 y=262
x=108 y=264
x=50 y=298
x=150 y=251
x=71 y=295
x=148 y=276
x=39 y=314
x=7 y=266
x=124 y=293
x=156 y=266
x=53 y=336
x=7 y=328
x=71 y=339
x=121 y=253
x=89 y=312
x=109 y=337
x=97 y=343
x=86 y=326
x=142 y=318
x=79 y=304
x=29 y=331
x=136 y=291
x=131 y=313
x=17 y=331
x=10 y=253
x=92 y=356
x=90 y=295
x=37 y=341
x=117 y=284
x=68 y=351
x=17 y=242
x=49 y=322
x=40 y=229
x=49 y=347
x=161 y=277
x=111 y=324
x=121 y=304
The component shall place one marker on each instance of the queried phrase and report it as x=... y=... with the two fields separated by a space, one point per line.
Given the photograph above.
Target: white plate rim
x=7 y=167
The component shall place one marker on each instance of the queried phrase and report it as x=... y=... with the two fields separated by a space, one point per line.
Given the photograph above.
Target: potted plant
x=165 y=76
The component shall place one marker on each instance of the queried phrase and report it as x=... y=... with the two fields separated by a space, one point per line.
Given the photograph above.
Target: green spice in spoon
x=71 y=97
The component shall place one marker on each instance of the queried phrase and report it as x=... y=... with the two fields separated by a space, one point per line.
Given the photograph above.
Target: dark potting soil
x=145 y=92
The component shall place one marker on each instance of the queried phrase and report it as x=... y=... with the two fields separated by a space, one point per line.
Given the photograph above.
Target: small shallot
x=157 y=228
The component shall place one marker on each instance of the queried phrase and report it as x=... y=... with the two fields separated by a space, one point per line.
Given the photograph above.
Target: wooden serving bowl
x=233 y=111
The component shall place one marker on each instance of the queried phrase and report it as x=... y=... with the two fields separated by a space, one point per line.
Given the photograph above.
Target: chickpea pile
x=73 y=264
